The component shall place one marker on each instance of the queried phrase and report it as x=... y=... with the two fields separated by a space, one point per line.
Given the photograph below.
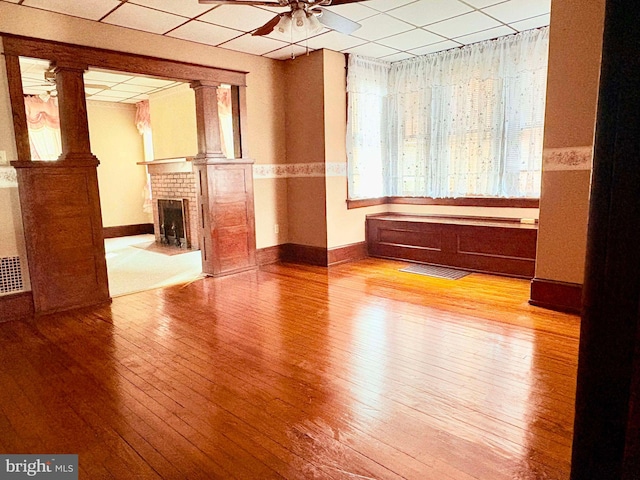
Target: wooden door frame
x=64 y=54
x=18 y=46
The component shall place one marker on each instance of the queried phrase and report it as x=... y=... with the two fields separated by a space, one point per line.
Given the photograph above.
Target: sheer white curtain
x=464 y=122
x=143 y=124
x=43 y=124
x=367 y=86
x=225 y=117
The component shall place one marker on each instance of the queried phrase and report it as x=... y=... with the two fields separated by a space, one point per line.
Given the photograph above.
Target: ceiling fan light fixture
x=313 y=24
x=299 y=18
x=284 y=25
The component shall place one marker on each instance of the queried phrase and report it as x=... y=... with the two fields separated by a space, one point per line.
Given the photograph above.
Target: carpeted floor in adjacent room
x=136 y=264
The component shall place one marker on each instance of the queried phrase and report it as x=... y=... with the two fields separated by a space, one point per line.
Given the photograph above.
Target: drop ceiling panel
x=380 y=26
x=388 y=26
x=92 y=91
x=196 y=31
x=335 y=41
x=286 y=52
x=101 y=76
x=485 y=35
x=482 y=3
x=463 y=24
x=104 y=98
x=254 y=45
x=385 y=5
x=535 y=22
x=151 y=82
x=411 y=39
x=239 y=17
x=397 y=57
x=372 y=50
x=184 y=8
x=426 y=12
x=354 y=11
x=516 y=10
x=115 y=96
x=132 y=89
x=436 y=47
x=142 y=18
x=91 y=9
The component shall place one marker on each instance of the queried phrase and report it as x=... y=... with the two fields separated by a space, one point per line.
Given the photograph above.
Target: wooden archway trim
x=122 y=61
x=67 y=274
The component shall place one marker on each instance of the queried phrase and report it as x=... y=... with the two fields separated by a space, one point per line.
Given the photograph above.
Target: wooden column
x=74 y=129
x=61 y=211
x=225 y=194
x=606 y=443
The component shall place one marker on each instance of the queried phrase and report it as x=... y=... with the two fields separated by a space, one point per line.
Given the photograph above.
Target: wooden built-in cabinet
x=499 y=246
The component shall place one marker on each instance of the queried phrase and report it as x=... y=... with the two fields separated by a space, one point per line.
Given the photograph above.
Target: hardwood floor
x=356 y=372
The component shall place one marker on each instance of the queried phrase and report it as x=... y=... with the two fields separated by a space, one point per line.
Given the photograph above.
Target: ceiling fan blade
x=267 y=28
x=255 y=3
x=337 y=22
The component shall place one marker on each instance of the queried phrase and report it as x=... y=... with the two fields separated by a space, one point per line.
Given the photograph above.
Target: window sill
x=451 y=202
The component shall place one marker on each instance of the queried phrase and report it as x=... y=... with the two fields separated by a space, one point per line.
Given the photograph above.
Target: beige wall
x=574 y=65
x=173 y=122
x=264 y=133
x=272 y=221
x=118 y=145
x=304 y=112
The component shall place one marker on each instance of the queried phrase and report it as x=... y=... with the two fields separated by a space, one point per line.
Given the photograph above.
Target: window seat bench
x=480 y=244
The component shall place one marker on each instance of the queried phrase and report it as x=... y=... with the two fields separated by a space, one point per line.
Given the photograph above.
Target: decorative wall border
x=8 y=177
x=564 y=159
x=297 y=170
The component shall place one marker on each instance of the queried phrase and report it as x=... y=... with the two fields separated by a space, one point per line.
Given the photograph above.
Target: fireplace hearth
x=173 y=222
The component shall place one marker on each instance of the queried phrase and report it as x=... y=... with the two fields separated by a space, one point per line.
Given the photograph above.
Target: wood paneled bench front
x=491 y=245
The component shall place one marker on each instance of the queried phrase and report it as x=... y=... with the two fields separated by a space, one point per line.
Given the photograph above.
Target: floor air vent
x=437 y=272
x=10 y=275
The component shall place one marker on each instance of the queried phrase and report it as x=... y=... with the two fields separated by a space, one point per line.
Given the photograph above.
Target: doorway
x=137 y=256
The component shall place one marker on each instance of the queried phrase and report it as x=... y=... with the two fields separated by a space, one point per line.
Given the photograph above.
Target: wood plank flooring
x=356 y=372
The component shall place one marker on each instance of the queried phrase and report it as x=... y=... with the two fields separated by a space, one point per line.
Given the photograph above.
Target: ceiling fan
x=303 y=14
x=50 y=81
x=50 y=78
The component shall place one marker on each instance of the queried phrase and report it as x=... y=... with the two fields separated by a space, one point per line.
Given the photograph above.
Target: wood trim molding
x=16 y=306
x=367 y=202
x=347 y=253
x=114 y=60
x=305 y=254
x=269 y=255
x=20 y=128
x=449 y=202
x=560 y=296
x=308 y=255
x=127 y=230
x=467 y=202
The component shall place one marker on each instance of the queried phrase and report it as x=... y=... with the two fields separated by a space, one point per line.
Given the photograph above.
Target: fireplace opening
x=174 y=225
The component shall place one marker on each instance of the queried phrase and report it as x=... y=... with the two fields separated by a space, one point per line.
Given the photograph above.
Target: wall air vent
x=10 y=275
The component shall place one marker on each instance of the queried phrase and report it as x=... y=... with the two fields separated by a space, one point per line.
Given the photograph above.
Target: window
x=461 y=123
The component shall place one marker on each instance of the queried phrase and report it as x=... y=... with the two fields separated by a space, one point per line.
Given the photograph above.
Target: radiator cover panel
x=10 y=275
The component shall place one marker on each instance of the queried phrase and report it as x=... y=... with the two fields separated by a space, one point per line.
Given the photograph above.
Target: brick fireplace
x=174 y=179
